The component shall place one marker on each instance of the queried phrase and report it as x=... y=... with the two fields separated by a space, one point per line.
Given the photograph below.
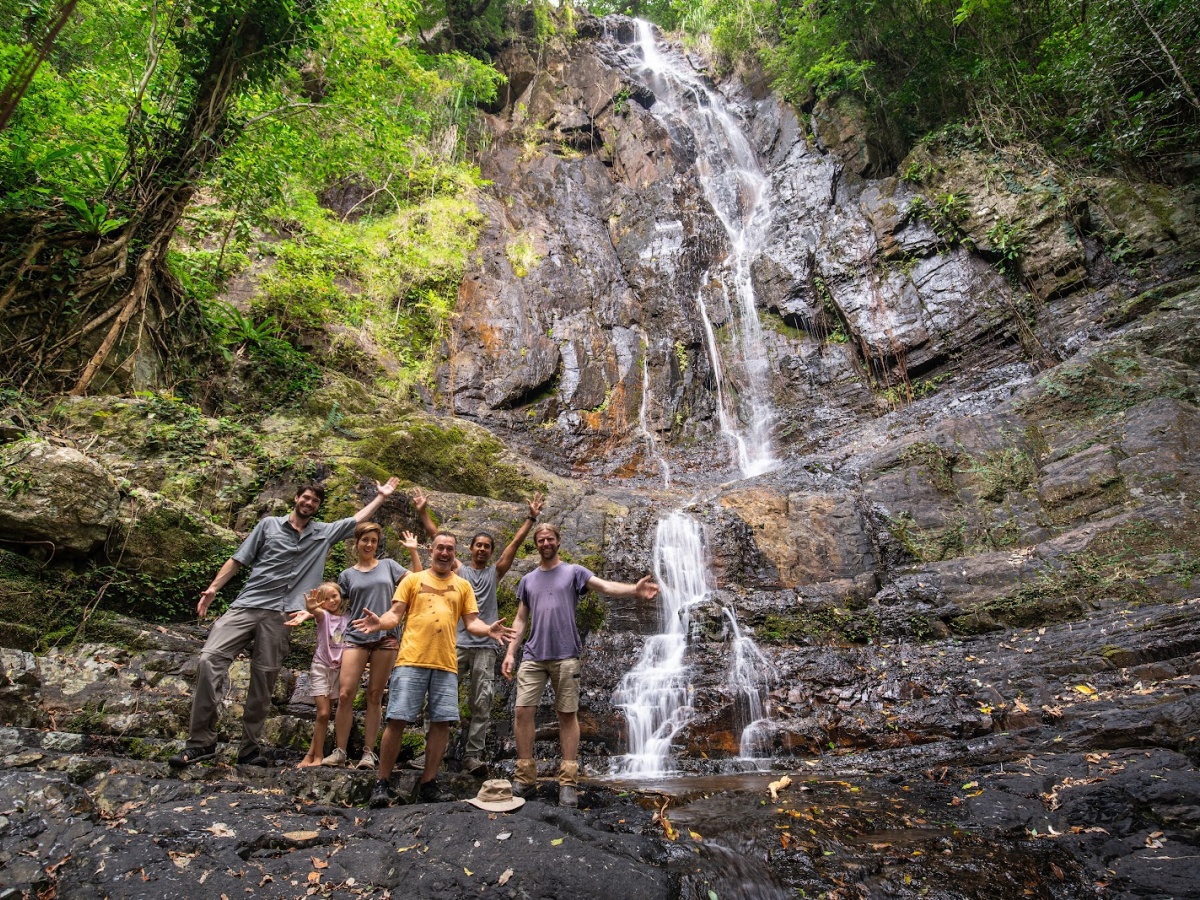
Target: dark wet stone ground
x=1122 y=823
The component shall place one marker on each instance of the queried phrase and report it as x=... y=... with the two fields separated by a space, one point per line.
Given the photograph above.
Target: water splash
x=656 y=695
x=735 y=186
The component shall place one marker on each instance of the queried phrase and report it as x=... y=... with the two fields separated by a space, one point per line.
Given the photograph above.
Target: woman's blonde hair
x=331 y=587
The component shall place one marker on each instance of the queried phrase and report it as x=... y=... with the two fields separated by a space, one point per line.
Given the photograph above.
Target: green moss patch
x=819 y=624
x=444 y=458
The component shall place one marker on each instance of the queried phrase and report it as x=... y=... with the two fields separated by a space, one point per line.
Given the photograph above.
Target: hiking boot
x=568 y=796
x=190 y=755
x=417 y=762
x=369 y=761
x=254 y=758
x=336 y=758
x=431 y=792
x=381 y=794
x=473 y=765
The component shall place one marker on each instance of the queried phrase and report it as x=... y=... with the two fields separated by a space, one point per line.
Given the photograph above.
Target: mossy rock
x=451 y=458
x=1104 y=384
x=819 y=624
x=19 y=637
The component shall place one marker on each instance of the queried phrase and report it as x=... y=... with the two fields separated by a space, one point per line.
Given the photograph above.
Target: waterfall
x=655 y=694
x=735 y=186
x=749 y=680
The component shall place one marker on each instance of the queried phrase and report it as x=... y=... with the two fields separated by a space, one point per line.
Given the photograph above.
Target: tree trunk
x=116 y=274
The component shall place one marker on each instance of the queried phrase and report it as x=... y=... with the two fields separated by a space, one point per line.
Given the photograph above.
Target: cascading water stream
x=735 y=186
x=655 y=694
x=651 y=443
x=750 y=679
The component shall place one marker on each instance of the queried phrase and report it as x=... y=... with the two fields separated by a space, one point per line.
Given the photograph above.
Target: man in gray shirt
x=477 y=655
x=287 y=559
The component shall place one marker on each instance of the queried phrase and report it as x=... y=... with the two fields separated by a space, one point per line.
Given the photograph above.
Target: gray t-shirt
x=286 y=564
x=483 y=582
x=551 y=596
x=371 y=590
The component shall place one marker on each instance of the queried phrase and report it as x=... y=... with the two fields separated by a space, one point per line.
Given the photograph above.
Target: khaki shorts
x=323 y=681
x=563 y=675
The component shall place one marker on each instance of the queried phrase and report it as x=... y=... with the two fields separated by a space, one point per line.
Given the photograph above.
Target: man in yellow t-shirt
x=427 y=666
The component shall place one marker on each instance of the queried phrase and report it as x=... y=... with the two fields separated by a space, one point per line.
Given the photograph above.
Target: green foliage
x=522 y=254
x=1103 y=384
x=1007 y=244
x=1002 y=471
x=945 y=215
x=115 y=95
x=938 y=462
x=590 y=613
x=444 y=459
x=621 y=102
x=1108 y=80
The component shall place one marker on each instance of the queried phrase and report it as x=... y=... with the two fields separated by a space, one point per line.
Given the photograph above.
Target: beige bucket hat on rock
x=496 y=796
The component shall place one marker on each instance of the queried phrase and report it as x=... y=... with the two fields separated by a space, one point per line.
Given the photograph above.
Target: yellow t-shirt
x=431 y=624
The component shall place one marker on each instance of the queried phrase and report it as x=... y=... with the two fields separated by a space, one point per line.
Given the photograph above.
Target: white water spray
x=655 y=694
x=750 y=682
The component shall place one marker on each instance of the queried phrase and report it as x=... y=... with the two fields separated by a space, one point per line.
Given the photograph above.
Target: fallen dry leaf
x=301 y=835
x=319 y=863
x=221 y=830
x=504 y=876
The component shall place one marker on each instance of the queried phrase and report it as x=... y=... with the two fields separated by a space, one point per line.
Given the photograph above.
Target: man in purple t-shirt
x=547 y=597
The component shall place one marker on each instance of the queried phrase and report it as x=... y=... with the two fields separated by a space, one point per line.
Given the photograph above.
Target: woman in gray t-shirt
x=368 y=584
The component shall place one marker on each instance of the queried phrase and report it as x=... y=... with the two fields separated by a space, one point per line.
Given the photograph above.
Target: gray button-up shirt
x=286 y=564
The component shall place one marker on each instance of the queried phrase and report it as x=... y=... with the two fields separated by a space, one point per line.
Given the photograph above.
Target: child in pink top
x=328 y=607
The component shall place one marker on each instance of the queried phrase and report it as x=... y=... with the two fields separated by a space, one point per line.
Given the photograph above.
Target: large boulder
x=56 y=497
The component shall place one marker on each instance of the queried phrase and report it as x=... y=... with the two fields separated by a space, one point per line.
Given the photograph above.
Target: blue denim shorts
x=409 y=687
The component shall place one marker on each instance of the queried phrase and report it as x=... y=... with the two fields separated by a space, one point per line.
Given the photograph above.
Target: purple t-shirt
x=551 y=596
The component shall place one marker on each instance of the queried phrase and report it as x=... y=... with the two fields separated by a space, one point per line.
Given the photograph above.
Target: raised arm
x=410 y=544
x=370 y=623
x=385 y=490
x=421 y=502
x=518 y=627
x=504 y=563
x=227 y=571
x=497 y=630
x=645 y=589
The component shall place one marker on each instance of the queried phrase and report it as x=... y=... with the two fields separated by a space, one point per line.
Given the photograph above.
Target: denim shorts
x=409 y=687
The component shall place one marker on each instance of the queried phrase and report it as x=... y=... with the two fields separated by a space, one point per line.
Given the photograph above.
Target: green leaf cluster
x=1106 y=81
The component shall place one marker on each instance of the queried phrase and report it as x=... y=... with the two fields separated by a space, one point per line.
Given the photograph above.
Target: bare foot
x=307 y=761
